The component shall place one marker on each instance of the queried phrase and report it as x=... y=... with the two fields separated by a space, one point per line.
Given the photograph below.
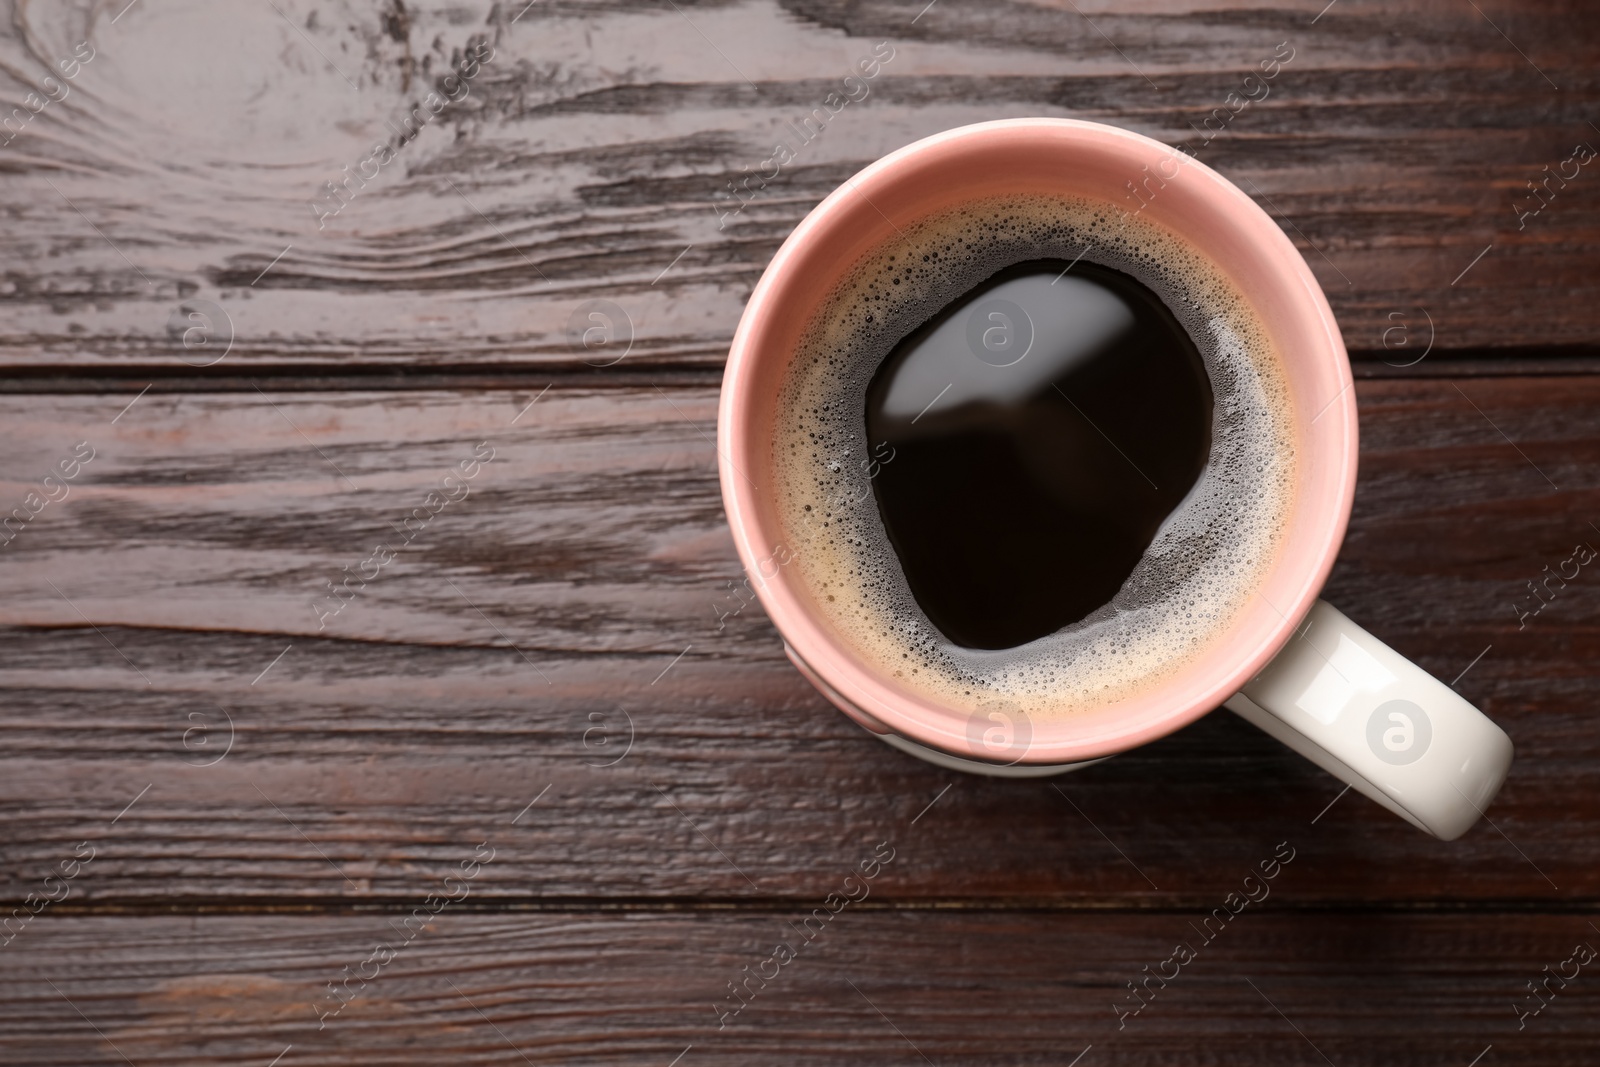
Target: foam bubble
x=1205 y=561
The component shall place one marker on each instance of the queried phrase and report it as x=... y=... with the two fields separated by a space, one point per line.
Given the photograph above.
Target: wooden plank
x=576 y=590
x=1271 y=988
x=189 y=159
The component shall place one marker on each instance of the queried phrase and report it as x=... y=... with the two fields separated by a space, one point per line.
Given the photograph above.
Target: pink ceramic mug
x=1287 y=662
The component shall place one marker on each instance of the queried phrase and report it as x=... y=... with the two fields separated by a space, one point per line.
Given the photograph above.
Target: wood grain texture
x=584 y=161
x=576 y=590
x=949 y=988
x=266 y=788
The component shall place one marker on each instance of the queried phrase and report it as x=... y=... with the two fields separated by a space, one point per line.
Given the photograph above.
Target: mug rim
x=862 y=691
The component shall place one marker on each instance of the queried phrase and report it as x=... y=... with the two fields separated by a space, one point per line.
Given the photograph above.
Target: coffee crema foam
x=1205 y=562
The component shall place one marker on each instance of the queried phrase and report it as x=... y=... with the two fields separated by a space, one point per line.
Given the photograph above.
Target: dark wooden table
x=513 y=795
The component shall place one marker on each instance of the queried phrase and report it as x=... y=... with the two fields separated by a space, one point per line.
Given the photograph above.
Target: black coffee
x=998 y=489
x=1042 y=427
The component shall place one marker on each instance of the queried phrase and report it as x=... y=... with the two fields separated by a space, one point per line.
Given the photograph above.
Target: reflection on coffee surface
x=1005 y=486
x=1044 y=425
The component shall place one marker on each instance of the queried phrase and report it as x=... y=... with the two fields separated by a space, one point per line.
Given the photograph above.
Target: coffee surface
x=1042 y=428
x=1014 y=638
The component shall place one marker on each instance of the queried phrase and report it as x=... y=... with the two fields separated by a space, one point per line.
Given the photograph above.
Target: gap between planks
x=768 y=904
x=1576 y=361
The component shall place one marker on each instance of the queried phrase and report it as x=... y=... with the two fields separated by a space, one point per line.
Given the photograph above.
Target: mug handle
x=1369 y=716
